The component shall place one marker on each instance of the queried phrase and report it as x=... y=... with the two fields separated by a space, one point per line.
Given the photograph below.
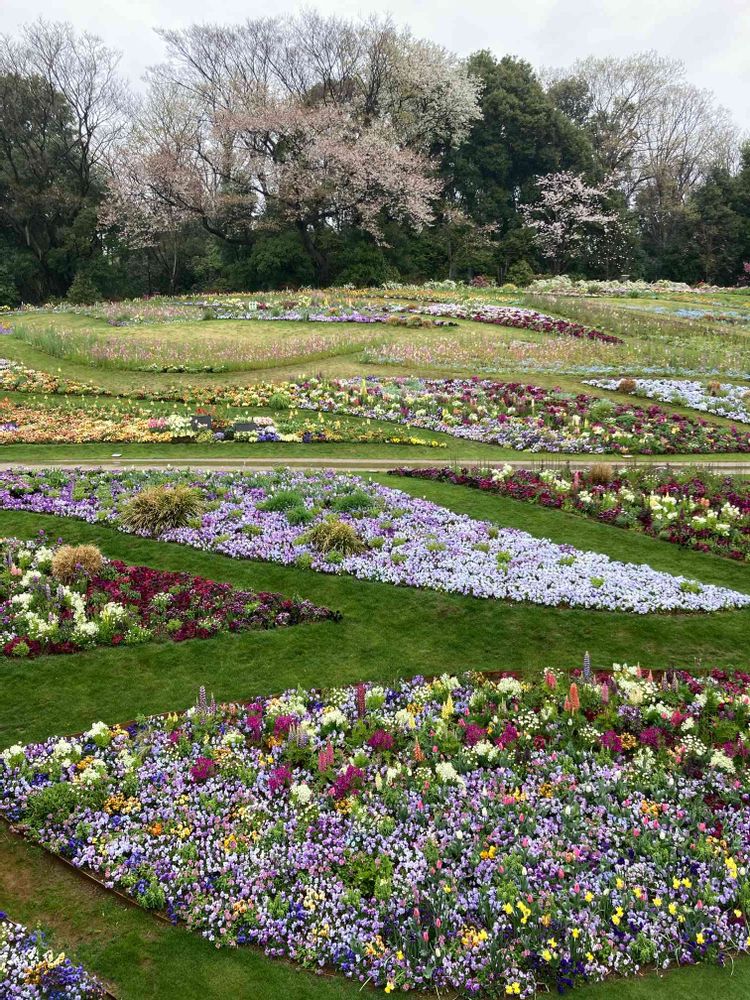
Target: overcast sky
x=711 y=36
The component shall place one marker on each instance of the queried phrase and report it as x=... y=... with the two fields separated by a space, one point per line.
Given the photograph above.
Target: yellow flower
x=657 y=900
x=589 y=897
x=390 y=987
x=547 y=955
x=673 y=908
x=700 y=939
x=576 y=933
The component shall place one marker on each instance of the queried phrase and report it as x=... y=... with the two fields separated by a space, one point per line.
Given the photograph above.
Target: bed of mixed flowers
x=43 y=611
x=475 y=833
x=511 y=414
x=339 y=523
x=725 y=399
x=29 y=970
x=28 y=424
x=693 y=508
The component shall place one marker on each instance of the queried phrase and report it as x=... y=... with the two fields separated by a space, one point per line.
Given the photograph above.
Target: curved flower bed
x=121 y=604
x=723 y=399
x=703 y=512
x=374 y=533
x=30 y=971
x=476 y=834
x=518 y=318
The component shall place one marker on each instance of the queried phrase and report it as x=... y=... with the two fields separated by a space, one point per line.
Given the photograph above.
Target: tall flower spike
x=361 y=705
x=575 y=701
x=586 y=665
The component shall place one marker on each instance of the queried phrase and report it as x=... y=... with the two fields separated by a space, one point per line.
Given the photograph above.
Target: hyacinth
x=502 y=846
x=400 y=539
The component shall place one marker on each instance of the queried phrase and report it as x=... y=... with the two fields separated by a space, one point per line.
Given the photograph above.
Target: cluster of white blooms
x=722 y=762
x=301 y=793
x=334 y=717
x=448 y=774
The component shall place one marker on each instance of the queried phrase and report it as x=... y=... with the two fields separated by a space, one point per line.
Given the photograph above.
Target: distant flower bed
x=487 y=835
x=338 y=523
x=697 y=510
x=60 y=599
x=519 y=318
x=17 y=377
x=724 y=399
x=30 y=971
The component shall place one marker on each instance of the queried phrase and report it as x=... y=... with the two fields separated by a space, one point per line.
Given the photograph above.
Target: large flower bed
x=725 y=399
x=337 y=523
x=30 y=971
x=45 y=611
x=513 y=415
x=695 y=509
x=474 y=834
x=509 y=414
x=24 y=424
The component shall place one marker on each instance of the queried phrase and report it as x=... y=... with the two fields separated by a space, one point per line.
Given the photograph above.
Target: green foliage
x=333 y=535
x=161 y=508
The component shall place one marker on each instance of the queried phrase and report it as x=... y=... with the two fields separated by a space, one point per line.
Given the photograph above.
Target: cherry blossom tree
x=312 y=121
x=568 y=214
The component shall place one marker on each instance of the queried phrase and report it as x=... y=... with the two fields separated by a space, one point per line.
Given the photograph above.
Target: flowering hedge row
x=474 y=834
x=725 y=399
x=698 y=510
x=338 y=523
x=42 y=612
x=30 y=971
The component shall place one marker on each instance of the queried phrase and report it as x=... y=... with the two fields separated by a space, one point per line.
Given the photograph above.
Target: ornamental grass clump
x=333 y=535
x=161 y=508
x=71 y=561
x=600 y=474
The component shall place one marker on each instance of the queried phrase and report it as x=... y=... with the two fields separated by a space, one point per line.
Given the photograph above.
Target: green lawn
x=386 y=632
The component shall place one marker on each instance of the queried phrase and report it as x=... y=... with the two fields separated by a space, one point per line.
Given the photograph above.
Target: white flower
x=301 y=793
x=722 y=762
x=448 y=774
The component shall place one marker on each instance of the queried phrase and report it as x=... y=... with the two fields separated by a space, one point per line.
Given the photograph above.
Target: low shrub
x=333 y=535
x=70 y=561
x=161 y=508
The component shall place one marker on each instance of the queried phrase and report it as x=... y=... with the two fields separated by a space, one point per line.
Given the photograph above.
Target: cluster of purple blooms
x=400 y=539
x=30 y=971
x=508 y=837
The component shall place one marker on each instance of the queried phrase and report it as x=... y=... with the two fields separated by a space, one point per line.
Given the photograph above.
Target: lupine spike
x=605 y=693
x=587 y=665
